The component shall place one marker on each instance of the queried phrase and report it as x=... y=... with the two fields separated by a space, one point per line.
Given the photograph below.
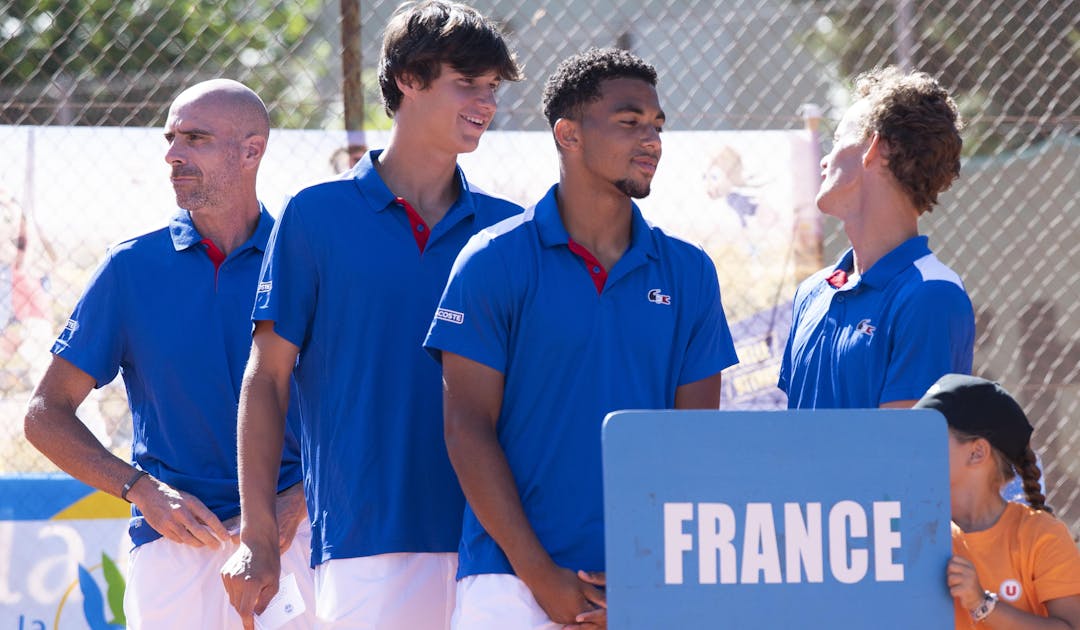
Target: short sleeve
x=473 y=317
x=934 y=335
x=784 y=381
x=710 y=348
x=798 y=305
x=1055 y=562
x=289 y=279
x=93 y=338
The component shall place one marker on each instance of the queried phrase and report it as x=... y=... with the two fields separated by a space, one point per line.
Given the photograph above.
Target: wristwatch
x=983 y=610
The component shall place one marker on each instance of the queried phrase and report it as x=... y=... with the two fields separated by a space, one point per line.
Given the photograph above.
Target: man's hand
x=597 y=618
x=177 y=515
x=964 y=582
x=251 y=577
x=564 y=596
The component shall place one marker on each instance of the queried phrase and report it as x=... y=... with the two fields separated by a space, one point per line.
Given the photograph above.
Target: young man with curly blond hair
x=888 y=319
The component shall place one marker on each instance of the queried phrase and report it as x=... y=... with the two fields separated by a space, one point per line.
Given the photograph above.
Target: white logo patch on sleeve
x=447 y=315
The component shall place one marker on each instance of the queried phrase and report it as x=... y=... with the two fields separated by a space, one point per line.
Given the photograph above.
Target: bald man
x=171 y=310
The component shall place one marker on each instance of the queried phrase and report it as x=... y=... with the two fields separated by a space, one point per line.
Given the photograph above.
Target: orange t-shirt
x=1027 y=558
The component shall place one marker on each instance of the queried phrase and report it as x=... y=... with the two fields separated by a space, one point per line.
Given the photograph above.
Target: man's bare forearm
x=260 y=436
x=489 y=486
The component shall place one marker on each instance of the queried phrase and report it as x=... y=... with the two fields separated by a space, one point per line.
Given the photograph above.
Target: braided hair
x=1030 y=474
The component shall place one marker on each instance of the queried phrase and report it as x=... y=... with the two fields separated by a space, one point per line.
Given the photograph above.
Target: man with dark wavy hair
x=350 y=280
x=879 y=327
x=549 y=322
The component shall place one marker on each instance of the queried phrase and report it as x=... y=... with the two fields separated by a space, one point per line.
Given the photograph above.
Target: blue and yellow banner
x=63 y=554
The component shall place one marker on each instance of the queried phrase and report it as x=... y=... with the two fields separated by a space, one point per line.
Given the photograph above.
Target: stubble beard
x=632 y=189
x=191 y=199
x=210 y=191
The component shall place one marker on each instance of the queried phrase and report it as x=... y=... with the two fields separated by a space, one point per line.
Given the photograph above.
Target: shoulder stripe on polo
x=476 y=190
x=933 y=269
x=509 y=223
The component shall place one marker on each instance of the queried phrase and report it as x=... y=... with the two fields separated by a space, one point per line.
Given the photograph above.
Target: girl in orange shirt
x=1014 y=566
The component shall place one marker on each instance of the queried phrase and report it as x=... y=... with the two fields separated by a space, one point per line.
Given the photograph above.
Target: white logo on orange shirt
x=1010 y=590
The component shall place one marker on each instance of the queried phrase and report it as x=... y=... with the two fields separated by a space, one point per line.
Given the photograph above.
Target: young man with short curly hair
x=548 y=323
x=888 y=319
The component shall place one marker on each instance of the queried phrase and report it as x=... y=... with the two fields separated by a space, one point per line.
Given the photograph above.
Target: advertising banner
x=63 y=555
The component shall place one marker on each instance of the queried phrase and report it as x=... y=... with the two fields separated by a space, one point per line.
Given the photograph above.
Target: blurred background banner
x=739 y=194
x=63 y=554
x=743 y=190
x=752 y=90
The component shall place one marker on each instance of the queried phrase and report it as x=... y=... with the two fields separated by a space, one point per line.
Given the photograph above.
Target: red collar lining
x=595 y=269
x=838 y=279
x=420 y=229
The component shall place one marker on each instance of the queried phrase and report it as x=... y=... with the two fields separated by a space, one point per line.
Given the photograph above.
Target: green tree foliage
x=102 y=62
x=1012 y=66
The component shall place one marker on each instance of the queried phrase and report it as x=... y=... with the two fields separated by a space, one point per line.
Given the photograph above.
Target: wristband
x=983 y=610
x=139 y=474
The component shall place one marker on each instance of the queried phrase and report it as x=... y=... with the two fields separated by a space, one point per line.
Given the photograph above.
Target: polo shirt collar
x=553 y=233
x=885 y=269
x=380 y=197
x=184 y=234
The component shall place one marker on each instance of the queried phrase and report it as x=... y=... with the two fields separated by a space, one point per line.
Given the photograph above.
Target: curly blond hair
x=920 y=125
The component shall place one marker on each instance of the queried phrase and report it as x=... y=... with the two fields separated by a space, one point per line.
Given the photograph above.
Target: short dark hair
x=920 y=125
x=576 y=81
x=423 y=35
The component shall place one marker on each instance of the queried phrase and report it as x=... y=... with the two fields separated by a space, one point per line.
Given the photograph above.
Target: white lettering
x=675 y=540
x=447 y=315
x=802 y=543
x=885 y=541
x=760 y=553
x=7 y=533
x=62 y=567
x=716 y=530
x=847 y=520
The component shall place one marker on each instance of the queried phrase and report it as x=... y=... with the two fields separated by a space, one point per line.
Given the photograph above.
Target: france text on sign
x=809 y=519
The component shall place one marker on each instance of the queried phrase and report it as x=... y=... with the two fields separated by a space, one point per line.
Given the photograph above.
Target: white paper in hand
x=286 y=606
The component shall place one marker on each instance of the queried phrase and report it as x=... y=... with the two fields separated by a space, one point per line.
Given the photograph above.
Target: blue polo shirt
x=520 y=301
x=178 y=328
x=887 y=336
x=346 y=281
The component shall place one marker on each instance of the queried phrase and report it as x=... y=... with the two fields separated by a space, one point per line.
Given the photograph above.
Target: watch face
x=986 y=607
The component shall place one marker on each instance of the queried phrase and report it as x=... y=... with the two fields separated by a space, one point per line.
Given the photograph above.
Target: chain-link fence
x=1009 y=227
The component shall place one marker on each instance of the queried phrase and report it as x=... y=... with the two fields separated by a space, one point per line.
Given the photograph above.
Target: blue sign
x=786 y=519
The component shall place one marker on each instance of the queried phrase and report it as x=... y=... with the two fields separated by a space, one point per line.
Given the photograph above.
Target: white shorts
x=391 y=591
x=496 y=601
x=175 y=586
